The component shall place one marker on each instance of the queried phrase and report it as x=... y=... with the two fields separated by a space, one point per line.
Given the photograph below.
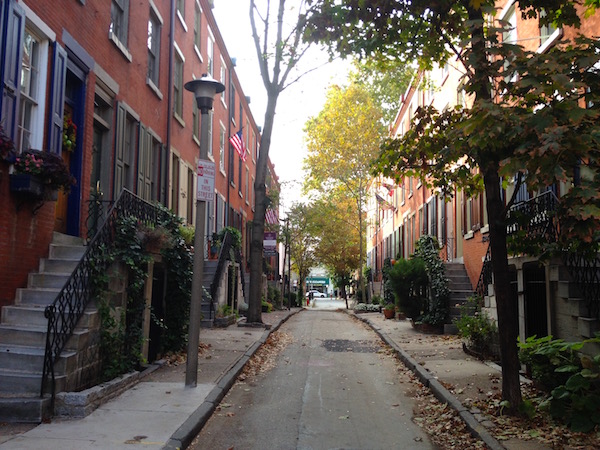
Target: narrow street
x=333 y=386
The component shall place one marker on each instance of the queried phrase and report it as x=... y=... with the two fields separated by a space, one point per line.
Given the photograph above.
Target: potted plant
x=40 y=174
x=389 y=310
x=7 y=148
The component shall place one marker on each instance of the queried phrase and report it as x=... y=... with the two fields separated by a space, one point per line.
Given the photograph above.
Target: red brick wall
x=24 y=238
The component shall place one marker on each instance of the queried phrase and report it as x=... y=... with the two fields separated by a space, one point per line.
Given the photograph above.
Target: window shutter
x=57 y=99
x=144 y=178
x=119 y=150
x=13 y=53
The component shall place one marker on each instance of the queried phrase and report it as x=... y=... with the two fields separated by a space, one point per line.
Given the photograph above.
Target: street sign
x=206 y=180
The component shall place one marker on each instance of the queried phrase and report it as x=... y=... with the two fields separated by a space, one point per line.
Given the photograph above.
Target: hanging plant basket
x=27 y=185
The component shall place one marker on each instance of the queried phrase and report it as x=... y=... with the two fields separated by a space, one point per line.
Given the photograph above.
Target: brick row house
x=116 y=71
x=550 y=301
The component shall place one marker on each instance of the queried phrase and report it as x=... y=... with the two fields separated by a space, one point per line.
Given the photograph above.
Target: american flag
x=270 y=216
x=238 y=143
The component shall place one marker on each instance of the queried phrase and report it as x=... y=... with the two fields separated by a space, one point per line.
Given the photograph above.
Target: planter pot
x=25 y=184
x=389 y=313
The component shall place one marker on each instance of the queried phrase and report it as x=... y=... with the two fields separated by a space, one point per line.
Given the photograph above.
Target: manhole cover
x=346 y=345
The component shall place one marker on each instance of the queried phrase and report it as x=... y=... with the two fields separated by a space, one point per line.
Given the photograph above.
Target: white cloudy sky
x=296 y=104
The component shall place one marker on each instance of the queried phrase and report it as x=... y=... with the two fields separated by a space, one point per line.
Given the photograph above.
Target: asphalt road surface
x=333 y=387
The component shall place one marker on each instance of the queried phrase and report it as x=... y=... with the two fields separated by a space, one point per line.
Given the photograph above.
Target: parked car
x=316 y=294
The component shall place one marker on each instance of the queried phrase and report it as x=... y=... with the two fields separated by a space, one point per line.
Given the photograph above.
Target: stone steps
x=23 y=336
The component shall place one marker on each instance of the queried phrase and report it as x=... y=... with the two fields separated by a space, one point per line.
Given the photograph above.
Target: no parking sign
x=206 y=180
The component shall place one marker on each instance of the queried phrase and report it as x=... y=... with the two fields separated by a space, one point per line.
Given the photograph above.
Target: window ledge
x=154 y=88
x=198 y=54
x=179 y=119
x=196 y=140
x=182 y=21
x=550 y=41
x=485 y=229
x=468 y=236
x=240 y=194
x=120 y=46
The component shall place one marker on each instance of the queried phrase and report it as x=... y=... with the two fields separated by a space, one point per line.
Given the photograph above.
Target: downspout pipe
x=170 y=100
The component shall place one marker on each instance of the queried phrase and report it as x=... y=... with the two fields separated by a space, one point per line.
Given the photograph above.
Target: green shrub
x=480 y=331
x=436 y=309
x=376 y=300
x=408 y=279
x=572 y=378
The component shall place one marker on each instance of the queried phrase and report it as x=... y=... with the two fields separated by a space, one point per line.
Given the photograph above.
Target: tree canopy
x=539 y=124
x=342 y=142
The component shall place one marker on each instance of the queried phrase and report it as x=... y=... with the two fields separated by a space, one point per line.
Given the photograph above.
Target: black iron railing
x=585 y=271
x=70 y=304
x=536 y=216
x=98 y=209
x=485 y=277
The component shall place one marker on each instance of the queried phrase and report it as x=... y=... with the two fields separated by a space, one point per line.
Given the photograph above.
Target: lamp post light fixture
x=204 y=88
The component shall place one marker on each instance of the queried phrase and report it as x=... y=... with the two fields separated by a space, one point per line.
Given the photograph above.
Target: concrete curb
x=184 y=435
x=438 y=390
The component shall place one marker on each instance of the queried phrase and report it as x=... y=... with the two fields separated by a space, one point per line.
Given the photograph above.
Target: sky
x=296 y=104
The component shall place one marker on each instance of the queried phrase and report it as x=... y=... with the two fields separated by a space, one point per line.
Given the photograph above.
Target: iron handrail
x=485 y=277
x=67 y=309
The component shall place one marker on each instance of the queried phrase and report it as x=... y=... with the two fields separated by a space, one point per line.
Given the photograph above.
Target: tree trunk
x=508 y=320
x=508 y=325
x=258 y=224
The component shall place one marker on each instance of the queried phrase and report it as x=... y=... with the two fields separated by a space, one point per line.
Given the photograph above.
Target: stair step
x=18 y=383
x=67 y=239
x=25 y=409
x=34 y=315
x=31 y=359
x=36 y=296
x=35 y=336
x=48 y=280
x=69 y=252
x=58 y=265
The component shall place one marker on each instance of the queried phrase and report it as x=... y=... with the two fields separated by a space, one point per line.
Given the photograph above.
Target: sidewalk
x=159 y=411
x=439 y=362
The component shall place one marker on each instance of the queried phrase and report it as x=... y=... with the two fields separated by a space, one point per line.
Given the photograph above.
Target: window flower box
x=27 y=184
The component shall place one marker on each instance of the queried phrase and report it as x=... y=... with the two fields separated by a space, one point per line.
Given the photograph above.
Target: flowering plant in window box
x=48 y=167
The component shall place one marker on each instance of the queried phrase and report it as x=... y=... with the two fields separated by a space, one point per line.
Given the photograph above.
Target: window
x=246 y=187
x=253 y=146
x=210 y=56
x=181 y=8
x=210 y=135
x=410 y=186
x=101 y=147
x=119 y=19
x=222 y=148
x=197 y=27
x=190 y=196
x=252 y=193
x=223 y=79
x=402 y=193
x=175 y=183
x=195 y=122
x=548 y=33
x=154 y=28
x=178 y=86
x=30 y=80
x=509 y=36
x=232 y=102
x=240 y=176
x=126 y=149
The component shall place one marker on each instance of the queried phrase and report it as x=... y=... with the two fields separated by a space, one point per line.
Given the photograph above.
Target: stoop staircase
x=460 y=288
x=23 y=336
x=208 y=316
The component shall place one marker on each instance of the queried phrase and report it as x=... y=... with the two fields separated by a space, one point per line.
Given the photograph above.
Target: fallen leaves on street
x=265 y=357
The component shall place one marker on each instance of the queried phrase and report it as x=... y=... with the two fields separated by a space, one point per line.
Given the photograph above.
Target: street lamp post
x=204 y=88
